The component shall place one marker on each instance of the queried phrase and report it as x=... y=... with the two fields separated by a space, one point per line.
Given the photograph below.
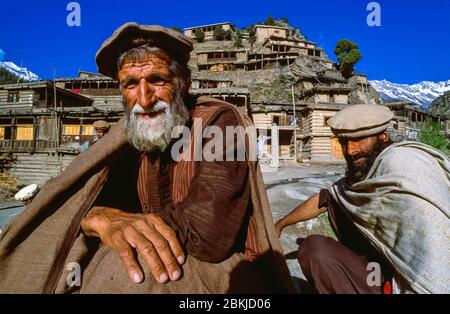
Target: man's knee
x=315 y=249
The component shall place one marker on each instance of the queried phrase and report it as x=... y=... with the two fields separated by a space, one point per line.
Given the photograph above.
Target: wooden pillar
x=58 y=130
x=35 y=129
x=275 y=163
x=13 y=131
x=81 y=130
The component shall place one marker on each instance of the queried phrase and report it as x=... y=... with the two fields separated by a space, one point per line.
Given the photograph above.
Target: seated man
x=390 y=213
x=133 y=217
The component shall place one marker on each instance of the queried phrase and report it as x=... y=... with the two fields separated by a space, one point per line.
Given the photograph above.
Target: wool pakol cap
x=131 y=35
x=360 y=121
x=101 y=125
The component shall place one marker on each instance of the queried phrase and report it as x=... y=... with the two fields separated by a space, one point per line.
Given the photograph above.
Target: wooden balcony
x=10 y=146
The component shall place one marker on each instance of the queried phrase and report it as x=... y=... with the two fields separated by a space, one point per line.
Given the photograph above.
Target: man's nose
x=352 y=147
x=146 y=95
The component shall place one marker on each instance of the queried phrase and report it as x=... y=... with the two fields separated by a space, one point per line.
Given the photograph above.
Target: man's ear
x=384 y=137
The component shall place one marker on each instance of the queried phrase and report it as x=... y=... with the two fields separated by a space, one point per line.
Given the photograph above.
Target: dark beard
x=355 y=174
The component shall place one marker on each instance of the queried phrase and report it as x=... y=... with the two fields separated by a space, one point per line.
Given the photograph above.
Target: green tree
x=252 y=35
x=432 y=135
x=348 y=55
x=270 y=21
x=176 y=28
x=221 y=34
x=7 y=77
x=285 y=20
x=199 y=35
x=238 y=39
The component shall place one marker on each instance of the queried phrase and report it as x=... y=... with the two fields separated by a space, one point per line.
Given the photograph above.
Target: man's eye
x=159 y=82
x=130 y=85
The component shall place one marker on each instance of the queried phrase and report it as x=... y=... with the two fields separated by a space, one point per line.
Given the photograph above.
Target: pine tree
x=7 y=77
x=238 y=39
x=348 y=55
x=270 y=21
x=176 y=28
x=199 y=35
x=221 y=34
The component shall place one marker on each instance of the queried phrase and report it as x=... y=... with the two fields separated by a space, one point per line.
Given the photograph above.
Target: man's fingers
x=167 y=232
x=163 y=250
x=148 y=252
x=128 y=260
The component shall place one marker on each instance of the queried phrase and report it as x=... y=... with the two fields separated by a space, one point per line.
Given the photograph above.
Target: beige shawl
x=403 y=208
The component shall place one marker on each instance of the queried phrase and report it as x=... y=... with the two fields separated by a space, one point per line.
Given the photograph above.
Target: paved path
x=8 y=211
x=286 y=189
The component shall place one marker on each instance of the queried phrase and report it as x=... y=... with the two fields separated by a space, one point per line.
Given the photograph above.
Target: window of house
x=71 y=129
x=88 y=130
x=276 y=120
x=325 y=121
x=41 y=94
x=24 y=132
x=13 y=97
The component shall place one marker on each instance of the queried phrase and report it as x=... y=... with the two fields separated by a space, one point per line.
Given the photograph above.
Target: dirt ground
x=289 y=186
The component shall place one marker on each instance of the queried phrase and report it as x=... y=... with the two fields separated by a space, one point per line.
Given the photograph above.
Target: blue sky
x=411 y=45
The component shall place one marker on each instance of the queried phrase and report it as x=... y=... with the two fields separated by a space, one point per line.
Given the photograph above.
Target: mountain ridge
x=421 y=94
x=21 y=72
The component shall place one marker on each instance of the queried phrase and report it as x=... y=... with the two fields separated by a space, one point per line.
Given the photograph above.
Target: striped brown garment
x=206 y=202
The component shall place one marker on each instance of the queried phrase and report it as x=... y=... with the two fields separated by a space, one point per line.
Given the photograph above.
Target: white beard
x=149 y=134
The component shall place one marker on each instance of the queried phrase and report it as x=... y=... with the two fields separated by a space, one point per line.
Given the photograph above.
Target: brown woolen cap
x=131 y=35
x=360 y=121
x=101 y=125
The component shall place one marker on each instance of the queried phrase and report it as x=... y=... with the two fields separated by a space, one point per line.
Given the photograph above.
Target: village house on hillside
x=270 y=72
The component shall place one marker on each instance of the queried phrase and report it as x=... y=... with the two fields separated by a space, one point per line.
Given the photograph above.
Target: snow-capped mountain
x=24 y=73
x=421 y=94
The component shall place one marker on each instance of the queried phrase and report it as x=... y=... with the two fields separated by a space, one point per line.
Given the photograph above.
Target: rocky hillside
x=441 y=105
x=308 y=74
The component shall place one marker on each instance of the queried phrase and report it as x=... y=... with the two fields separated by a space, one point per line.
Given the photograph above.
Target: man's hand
x=148 y=234
x=307 y=210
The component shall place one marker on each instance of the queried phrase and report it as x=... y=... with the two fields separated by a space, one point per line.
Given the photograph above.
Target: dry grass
x=8 y=186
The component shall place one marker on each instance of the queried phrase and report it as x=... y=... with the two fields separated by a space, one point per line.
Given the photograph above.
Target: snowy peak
x=23 y=73
x=422 y=94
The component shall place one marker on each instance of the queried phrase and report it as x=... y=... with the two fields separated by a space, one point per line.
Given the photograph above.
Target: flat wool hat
x=101 y=125
x=131 y=35
x=360 y=121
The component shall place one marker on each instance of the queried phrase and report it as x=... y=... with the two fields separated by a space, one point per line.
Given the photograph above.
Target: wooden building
x=42 y=127
x=409 y=119
x=317 y=141
x=208 y=30
x=263 y=32
x=279 y=118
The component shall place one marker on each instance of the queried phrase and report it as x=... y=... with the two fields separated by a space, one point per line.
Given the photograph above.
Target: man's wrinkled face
x=360 y=153
x=153 y=101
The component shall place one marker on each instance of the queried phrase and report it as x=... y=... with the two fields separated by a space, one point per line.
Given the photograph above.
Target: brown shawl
x=37 y=247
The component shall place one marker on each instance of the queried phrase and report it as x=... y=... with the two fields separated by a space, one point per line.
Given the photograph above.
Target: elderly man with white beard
x=129 y=216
